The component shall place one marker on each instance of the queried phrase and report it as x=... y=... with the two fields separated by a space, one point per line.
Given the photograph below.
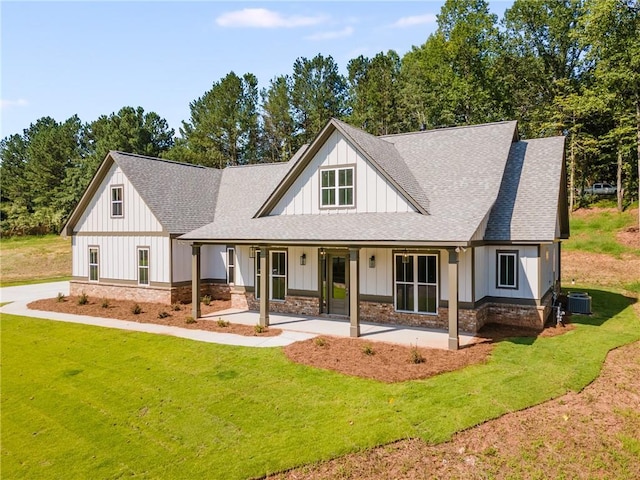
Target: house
x=448 y=228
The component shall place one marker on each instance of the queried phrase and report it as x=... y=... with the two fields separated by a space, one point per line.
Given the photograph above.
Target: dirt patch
x=387 y=362
x=599 y=269
x=152 y=313
x=629 y=237
x=591 y=434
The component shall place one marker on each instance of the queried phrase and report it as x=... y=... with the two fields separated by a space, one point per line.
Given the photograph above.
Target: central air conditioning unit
x=579 y=303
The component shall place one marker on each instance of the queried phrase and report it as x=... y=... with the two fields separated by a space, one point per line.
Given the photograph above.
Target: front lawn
x=87 y=402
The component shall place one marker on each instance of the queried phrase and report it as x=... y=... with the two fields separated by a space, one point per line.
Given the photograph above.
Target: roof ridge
x=158 y=159
x=455 y=127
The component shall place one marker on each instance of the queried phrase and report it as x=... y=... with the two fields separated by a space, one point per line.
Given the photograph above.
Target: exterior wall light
x=405 y=257
x=252 y=252
x=322 y=252
x=372 y=261
x=303 y=259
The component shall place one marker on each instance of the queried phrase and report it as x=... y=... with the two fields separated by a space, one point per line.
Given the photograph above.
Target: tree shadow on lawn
x=605 y=305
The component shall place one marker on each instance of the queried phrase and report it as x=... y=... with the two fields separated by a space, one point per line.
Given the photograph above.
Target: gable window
x=117 y=201
x=94 y=265
x=143 y=266
x=336 y=187
x=416 y=283
x=231 y=265
x=507 y=269
x=277 y=276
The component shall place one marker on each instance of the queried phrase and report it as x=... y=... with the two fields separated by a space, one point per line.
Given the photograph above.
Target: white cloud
x=415 y=20
x=263 y=18
x=345 y=32
x=21 y=102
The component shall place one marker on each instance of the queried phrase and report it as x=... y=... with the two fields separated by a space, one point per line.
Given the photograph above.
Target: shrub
x=415 y=356
x=259 y=328
x=176 y=307
x=206 y=300
x=105 y=303
x=190 y=320
x=320 y=342
x=163 y=314
x=368 y=350
x=61 y=297
x=136 y=309
x=83 y=299
x=222 y=323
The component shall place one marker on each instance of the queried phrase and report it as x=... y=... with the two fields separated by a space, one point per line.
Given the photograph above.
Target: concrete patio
x=404 y=335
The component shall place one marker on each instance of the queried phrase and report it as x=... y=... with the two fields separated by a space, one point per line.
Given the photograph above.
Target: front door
x=338 y=283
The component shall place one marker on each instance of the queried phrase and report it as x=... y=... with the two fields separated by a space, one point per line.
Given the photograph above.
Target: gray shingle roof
x=460 y=169
x=528 y=202
x=182 y=196
x=386 y=157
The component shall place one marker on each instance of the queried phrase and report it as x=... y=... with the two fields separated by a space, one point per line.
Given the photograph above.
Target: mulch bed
x=122 y=310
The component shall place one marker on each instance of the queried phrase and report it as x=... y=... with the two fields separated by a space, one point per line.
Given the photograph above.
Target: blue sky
x=93 y=58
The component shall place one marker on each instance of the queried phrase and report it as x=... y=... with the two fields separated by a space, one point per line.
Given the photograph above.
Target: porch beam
x=264 y=286
x=454 y=339
x=354 y=292
x=195 y=281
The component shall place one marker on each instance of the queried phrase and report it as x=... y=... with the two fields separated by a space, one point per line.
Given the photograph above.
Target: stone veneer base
x=470 y=320
x=166 y=295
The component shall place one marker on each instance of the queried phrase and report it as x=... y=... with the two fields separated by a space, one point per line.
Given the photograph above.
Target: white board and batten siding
x=378 y=280
x=486 y=272
x=137 y=217
x=118 y=256
x=212 y=261
x=373 y=193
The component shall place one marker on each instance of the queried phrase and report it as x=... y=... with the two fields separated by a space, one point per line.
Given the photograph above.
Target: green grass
x=34 y=259
x=596 y=233
x=85 y=402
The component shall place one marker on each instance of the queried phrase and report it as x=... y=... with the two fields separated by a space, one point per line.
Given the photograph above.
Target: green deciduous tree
x=612 y=30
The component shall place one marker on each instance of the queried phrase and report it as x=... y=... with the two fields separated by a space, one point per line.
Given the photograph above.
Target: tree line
x=559 y=67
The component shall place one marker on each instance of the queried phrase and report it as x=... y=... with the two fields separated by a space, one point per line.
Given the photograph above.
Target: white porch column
x=354 y=292
x=454 y=341
x=195 y=281
x=264 y=286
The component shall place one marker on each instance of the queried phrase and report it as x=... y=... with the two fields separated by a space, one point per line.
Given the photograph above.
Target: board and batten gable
x=137 y=217
x=373 y=193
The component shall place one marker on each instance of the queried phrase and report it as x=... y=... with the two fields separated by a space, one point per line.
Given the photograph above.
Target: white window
x=94 y=264
x=336 y=187
x=143 y=266
x=231 y=265
x=507 y=269
x=277 y=277
x=416 y=283
x=117 y=201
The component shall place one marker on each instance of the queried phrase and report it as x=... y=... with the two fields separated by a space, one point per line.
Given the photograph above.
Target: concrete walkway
x=294 y=327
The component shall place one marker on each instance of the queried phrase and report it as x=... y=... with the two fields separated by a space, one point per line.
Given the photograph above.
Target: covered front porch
x=315 y=325
x=341 y=282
